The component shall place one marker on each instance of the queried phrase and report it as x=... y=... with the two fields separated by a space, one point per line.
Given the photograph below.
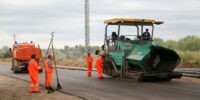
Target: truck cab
x=21 y=54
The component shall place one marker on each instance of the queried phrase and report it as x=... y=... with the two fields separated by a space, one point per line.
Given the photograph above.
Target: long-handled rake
x=51 y=44
x=47 y=52
x=58 y=83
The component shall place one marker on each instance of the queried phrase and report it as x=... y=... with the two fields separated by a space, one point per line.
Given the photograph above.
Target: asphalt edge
x=74 y=68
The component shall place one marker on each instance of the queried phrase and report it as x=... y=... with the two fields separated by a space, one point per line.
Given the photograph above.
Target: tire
x=13 y=65
x=107 y=69
x=12 y=68
x=14 y=71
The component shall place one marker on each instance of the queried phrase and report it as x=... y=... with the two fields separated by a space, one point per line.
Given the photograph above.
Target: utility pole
x=87 y=26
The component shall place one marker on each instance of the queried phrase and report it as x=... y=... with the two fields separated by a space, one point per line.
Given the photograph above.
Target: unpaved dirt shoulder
x=14 y=89
x=190 y=80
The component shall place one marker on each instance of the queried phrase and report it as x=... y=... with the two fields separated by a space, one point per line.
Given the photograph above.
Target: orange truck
x=21 y=54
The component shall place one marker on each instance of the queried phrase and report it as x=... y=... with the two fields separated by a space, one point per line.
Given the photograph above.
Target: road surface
x=76 y=83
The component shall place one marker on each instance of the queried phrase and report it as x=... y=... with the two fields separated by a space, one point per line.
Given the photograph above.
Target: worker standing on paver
x=48 y=72
x=33 y=73
x=99 y=65
x=89 y=61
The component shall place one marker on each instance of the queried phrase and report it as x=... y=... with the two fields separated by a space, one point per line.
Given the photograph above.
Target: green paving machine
x=136 y=55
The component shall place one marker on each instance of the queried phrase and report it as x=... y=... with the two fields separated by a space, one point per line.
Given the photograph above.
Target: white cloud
x=35 y=19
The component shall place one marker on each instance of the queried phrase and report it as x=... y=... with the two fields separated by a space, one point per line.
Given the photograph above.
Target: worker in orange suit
x=89 y=61
x=33 y=73
x=99 y=65
x=48 y=72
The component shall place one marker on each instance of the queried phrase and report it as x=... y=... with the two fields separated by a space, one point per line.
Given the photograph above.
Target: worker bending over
x=48 y=72
x=89 y=61
x=99 y=65
x=33 y=73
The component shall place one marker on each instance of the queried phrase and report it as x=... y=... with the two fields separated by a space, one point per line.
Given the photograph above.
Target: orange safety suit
x=48 y=72
x=89 y=60
x=99 y=66
x=33 y=73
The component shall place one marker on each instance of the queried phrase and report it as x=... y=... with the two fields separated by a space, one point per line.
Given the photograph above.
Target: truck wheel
x=12 y=68
x=14 y=71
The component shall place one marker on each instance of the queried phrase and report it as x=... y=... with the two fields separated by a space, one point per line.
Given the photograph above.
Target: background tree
x=5 y=52
x=189 y=43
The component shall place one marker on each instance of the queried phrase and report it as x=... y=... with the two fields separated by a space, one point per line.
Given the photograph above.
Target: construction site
x=99 y=50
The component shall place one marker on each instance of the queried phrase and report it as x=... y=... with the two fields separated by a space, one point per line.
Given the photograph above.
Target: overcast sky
x=35 y=19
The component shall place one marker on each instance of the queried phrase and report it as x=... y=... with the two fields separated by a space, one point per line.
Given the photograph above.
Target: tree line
x=188 y=49
x=188 y=43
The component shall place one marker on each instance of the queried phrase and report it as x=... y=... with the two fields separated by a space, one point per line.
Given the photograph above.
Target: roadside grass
x=189 y=59
x=72 y=62
x=5 y=60
x=75 y=62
